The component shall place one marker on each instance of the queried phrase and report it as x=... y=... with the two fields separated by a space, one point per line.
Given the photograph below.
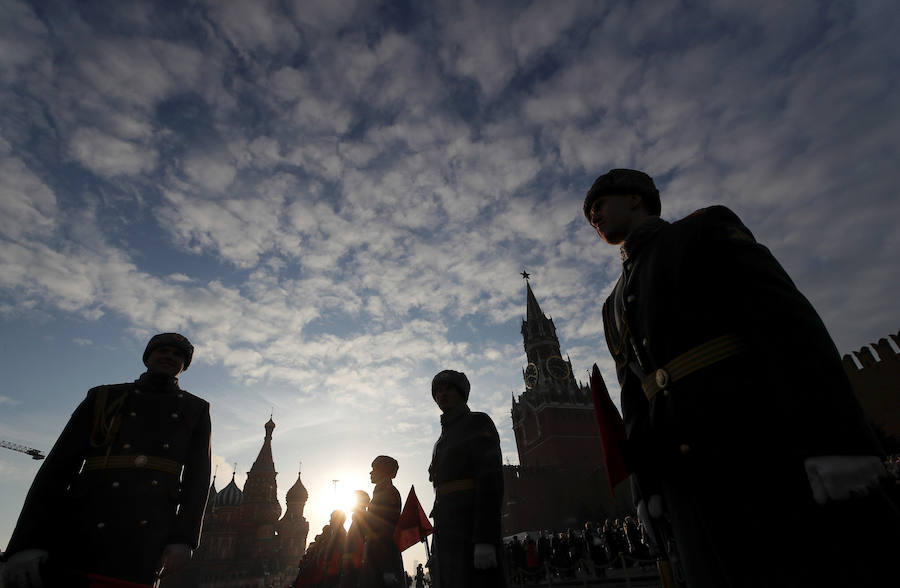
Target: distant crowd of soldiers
x=589 y=551
x=365 y=555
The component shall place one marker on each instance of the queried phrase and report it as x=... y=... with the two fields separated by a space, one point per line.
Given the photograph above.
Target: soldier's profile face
x=447 y=397
x=378 y=474
x=166 y=360
x=615 y=216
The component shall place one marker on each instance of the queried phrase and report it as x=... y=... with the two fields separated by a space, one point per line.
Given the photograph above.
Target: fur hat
x=622 y=182
x=174 y=340
x=456 y=379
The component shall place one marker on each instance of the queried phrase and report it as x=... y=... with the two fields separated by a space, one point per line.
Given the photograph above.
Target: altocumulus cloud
x=335 y=199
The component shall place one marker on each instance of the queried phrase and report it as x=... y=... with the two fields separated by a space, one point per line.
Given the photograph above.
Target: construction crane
x=34 y=453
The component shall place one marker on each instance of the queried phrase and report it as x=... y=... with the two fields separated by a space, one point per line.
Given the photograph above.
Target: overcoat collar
x=157 y=383
x=640 y=236
x=454 y=414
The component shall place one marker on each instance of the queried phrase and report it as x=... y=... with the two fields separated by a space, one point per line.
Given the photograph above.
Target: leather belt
x=136 y=462
x=454 y=486
x=699 y=357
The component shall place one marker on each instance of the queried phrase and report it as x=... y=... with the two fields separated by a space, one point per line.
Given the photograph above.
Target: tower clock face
x=531 y=376
x=557 y=368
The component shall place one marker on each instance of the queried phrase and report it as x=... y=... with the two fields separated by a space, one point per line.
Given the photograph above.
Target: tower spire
x=533 y=309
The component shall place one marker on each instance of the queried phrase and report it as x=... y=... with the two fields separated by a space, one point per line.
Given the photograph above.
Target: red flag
x=413 y=525
x=612 y=431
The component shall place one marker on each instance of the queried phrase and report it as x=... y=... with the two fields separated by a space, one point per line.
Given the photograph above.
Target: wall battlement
x=875 y=378
x=864 y=358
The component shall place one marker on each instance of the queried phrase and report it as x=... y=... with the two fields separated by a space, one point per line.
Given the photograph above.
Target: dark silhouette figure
x=466 y=470
x=739 y=416
x=383 y=565
x=123 y=491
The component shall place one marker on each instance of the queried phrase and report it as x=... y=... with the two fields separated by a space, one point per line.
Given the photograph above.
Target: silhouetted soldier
x=738 y=413
x=467 y=472
x=335 y=540
x=518 y=553
x=123 y=491
x=383 y=565
x=594 y=546
x=545 y=548
x=420 y=577
x=531 y=558
x=356 y=541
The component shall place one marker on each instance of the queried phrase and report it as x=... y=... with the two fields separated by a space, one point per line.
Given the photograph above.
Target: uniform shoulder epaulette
x=194 y=397
x=113 y=388
x=721 y=222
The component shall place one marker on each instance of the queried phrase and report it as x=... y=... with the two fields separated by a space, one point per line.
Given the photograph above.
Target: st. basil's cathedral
x=246 y=542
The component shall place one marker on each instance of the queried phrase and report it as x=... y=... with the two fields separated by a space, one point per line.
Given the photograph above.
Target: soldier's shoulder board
x=111 y=389
x=194 y=398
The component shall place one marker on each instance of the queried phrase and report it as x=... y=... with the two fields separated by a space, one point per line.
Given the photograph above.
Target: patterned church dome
x=230 y=495
x=297 y=493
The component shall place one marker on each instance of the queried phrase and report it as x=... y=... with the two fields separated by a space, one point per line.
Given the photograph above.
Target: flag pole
x=427 y=550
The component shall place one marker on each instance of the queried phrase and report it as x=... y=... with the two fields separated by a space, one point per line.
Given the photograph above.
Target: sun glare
x=338 y=494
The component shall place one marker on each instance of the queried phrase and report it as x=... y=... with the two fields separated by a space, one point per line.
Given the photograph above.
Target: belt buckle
x=662 y=378
x=140 y=461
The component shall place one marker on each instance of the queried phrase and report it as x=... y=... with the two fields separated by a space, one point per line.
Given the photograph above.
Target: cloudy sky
x=333 y=200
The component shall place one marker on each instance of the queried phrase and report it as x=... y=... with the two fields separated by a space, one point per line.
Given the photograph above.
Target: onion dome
x=230 y=495
x=297 y=493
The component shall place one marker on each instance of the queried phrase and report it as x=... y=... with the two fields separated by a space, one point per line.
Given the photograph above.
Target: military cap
x=456 y=379
x=174 y=340
x=387 y=464
x=622 y=182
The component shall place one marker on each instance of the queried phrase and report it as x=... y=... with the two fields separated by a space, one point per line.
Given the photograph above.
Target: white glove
x=485 y=556
x=651 y=509
x=175 y=556
x=23 y=570
x=839 y=477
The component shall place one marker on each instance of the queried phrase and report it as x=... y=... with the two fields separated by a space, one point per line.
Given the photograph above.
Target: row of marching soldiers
x=365 y=556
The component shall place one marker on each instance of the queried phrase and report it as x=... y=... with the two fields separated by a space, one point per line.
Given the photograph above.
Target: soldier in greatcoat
x=383 y=564
x=123 y=490
x=738 y=414
x=467 y=472
x=351 y=562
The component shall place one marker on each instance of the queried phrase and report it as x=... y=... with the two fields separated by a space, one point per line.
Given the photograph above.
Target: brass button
x=154 y=483
x=140 y=461
x=165 y=445
x=645 y=342
x=180 y=395
x=137 y=390
x=684 y=448
x=631 y=298
x=101 y=525
x=132 y=414
x=142 y=523
x=627 y=267
x=662 y=378
x=126 y=446
x=115 y=484
x=174 y=415
x=666 y=392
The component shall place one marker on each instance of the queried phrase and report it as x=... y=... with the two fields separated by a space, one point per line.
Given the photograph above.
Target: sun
x=337 y=493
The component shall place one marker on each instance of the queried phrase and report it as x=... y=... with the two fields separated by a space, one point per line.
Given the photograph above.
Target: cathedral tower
x=293 y=528
x=260 y=508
